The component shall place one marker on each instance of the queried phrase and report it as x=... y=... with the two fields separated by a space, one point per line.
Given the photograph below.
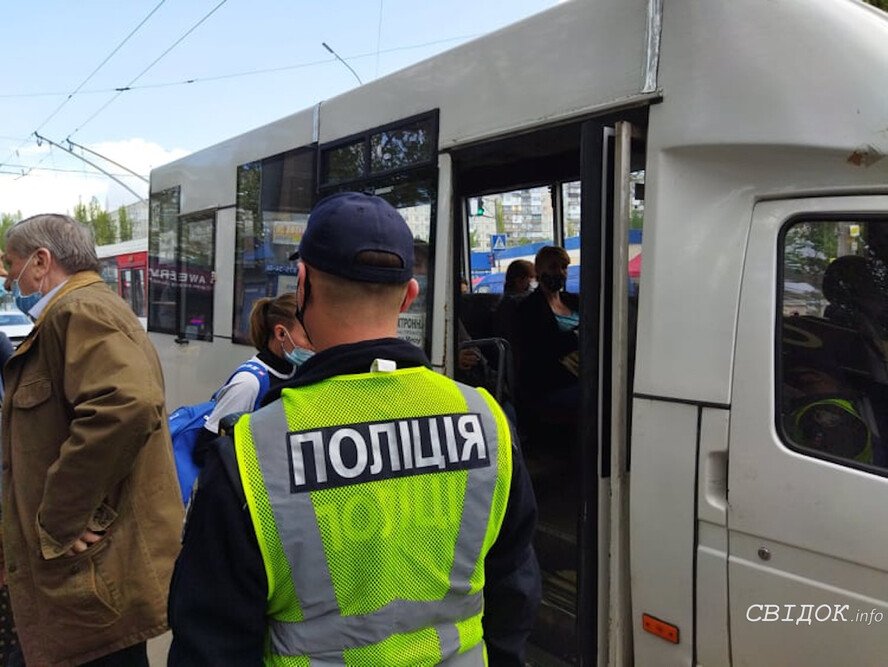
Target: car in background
x=16 y=325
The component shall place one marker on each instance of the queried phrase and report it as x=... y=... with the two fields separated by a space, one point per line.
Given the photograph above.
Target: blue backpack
x=187 y=421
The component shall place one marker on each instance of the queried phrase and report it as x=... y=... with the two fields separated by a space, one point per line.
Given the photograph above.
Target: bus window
x=163 y=261
x=397 y=162
x=833 y=333
x=506 y=226
x=274 y=197
x=196 y=267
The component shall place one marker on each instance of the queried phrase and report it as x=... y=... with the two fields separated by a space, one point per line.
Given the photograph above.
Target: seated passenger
x=520 y=281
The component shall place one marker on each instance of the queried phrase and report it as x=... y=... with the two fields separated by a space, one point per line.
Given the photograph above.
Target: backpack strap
x=258 y=371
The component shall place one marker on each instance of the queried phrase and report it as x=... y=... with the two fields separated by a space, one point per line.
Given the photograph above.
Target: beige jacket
x=86 y=445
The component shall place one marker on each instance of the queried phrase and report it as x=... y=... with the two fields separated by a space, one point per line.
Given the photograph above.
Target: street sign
x=497 y=241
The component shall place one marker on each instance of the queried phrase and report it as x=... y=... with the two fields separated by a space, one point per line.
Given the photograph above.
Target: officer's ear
x=410 y=295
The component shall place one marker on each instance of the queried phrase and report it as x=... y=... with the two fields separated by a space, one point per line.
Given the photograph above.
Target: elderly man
x=378 y=513
x=91 y=513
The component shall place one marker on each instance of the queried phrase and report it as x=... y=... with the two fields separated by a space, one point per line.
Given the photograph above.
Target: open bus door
x=578 y=175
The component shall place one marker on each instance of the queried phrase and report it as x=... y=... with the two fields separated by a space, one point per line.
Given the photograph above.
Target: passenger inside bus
x=548 y=350
x=520 y=281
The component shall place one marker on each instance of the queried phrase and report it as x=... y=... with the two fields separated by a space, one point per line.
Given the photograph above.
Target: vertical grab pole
x=591 y=253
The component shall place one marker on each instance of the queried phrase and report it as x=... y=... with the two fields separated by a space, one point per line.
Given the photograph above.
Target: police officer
x=377 y=513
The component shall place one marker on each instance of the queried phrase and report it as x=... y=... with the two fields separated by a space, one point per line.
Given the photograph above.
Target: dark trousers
x=133 y=656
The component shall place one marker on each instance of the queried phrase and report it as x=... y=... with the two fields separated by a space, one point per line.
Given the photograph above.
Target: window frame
x=779 y=371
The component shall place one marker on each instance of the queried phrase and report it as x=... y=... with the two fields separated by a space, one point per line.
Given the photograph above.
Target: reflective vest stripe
x=474 y=657
x=476 y=505
x=295 y=519
x=336 y=633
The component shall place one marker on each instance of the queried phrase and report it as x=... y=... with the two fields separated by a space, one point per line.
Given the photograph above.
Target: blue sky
x=52 y=47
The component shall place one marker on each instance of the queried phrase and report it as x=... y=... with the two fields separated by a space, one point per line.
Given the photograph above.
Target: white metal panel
x=761 y=98
x=712 y=632
x=535 y=71
x=208 y=178
x=194 y=371
x=822 y=522
x=443 y=263
x=223 y=289
x=662 y=526
x=712 y=639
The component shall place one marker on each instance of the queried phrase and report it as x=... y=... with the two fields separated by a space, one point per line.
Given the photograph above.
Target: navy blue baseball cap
x=347 y=223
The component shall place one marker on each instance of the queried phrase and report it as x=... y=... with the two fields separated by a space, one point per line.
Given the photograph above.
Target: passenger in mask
x=547 y=357
x=520 y=281
x=282 y=348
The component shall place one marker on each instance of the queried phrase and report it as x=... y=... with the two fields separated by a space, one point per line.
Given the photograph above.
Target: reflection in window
x=274 y=197
x=344 y=163
x=162 y=261
x=401 y=147
x=196 y=277
x=833 y=333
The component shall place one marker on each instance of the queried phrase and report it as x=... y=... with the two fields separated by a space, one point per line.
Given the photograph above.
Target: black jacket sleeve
x=512 y=588
x=218 y=592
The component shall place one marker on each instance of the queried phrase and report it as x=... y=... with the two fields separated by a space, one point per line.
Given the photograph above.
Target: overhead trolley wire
x=87 y=79
x=145 y=71
x=245 y=73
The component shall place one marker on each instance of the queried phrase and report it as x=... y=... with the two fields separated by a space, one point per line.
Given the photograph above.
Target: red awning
x=635 y=266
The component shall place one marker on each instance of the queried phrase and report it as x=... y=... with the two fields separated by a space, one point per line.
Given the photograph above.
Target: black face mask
x=552 y=283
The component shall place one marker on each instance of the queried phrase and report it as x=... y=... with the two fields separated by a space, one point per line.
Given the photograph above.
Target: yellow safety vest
x=375 y=498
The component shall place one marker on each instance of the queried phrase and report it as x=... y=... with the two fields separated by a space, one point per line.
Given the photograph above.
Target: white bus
x=727 y=487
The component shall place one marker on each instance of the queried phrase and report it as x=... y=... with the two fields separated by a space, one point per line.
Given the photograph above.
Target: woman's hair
x=517 y=270
x=69 y=242
x=267 y=313
x=548 y=254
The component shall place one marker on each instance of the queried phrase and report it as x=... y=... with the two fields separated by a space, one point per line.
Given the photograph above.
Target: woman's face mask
x=298 y=355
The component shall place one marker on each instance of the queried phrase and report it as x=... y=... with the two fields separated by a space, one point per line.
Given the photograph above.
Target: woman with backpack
x=281 y=346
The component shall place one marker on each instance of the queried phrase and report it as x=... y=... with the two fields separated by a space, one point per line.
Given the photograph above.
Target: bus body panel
x=533 y=72
x=661 y=526
x=208 y=178
x=735 y=126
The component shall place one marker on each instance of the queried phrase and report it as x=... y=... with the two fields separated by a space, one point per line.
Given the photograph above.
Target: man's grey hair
x=69 y=242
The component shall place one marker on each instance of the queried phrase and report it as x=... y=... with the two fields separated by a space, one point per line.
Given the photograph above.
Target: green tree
x=98 y=220
x=124 y=224
x=881 y=4
x=7 y=220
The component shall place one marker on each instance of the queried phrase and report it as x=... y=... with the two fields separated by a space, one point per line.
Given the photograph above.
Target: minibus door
x=807 y=487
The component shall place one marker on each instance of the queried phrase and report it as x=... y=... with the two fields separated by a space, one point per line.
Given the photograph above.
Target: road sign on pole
x=497 y=241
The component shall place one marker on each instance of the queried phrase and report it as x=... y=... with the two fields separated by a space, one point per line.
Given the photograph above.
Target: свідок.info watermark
x=809 y=614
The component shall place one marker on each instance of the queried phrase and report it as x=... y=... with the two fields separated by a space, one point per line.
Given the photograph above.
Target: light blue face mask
x=24 y=302
x=298 y=355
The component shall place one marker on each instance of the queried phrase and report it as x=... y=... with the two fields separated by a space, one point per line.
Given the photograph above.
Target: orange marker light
x=660 y=628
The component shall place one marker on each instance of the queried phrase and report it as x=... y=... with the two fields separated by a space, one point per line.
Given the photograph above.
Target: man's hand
x=84 y=542
x=468 y=358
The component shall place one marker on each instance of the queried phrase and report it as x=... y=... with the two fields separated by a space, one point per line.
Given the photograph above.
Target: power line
x=145 y=71
x=244 y=73
x=58 y=169
x=87 y=79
